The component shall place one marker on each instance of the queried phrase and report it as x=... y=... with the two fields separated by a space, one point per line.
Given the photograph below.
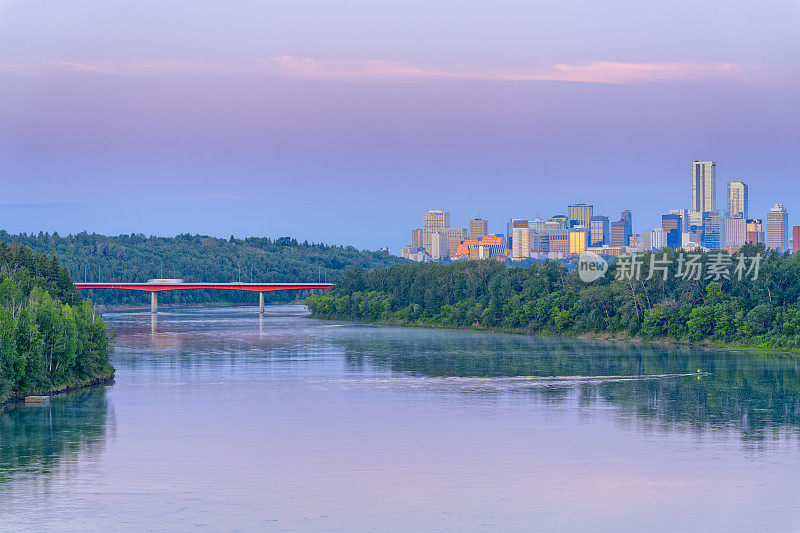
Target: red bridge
x=156 y=286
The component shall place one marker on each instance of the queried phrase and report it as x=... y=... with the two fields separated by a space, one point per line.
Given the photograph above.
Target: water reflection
x=37 y=440
x=755 y=394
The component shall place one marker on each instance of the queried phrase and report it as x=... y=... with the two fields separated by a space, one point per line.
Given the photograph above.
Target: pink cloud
x=375 y=70
x=598 y=72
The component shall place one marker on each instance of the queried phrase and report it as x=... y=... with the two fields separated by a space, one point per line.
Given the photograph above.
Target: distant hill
x=137 y=258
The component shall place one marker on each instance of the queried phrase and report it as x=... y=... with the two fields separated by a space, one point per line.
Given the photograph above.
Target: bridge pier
x=153 y=302
x=261 y=303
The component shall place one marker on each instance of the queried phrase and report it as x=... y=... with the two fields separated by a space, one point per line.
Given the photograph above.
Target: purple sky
x=342 y=121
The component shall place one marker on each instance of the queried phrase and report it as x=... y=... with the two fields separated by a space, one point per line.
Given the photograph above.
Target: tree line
x=49 y=335
x=549 y=298
x=137 y=258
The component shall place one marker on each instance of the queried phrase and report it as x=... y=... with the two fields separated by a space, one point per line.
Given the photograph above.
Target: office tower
x=478 y=228
x=617 y=234
x=713 y=230
x=416 y=239
x=704 y=186
x=735 y=231
x=684 y=216
x=488 y=247
x=509 y=234
x=754 y=231
x=521 y=235
x=627 y=218
x=599 y=231
x=778 y=228
x=439 y=246
x=737 y=199
x=433 y=222
x=559 y=241
x=671 y=222
x=454 y=238
x=796 y=239
x=578 y=239
x=579 y=215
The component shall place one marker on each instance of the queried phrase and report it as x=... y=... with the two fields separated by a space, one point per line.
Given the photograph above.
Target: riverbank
x=55 y=391
x=606 y=337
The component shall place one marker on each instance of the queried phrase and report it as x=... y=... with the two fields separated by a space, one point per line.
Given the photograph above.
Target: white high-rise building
x=704 y=186
x=778 y=228
x=737 y=199
x=440 y=248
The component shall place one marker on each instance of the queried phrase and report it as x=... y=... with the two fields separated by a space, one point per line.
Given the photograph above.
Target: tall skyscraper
x=578 y=238
x=478 y=228
x=737 y=199
x=627 y=218
x=433 y=222
x=599 y=231
x=704 y=186
x=416 y=239
x=778 y=228
x=579 y=215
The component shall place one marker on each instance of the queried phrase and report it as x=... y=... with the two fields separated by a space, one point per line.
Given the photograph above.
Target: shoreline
x=610 y=338
x=55 y=391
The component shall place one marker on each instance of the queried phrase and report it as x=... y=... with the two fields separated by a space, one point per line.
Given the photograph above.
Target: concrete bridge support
x=261 y=303
x=153 y=302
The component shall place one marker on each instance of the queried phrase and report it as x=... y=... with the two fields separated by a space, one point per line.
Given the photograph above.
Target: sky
x=342 y=121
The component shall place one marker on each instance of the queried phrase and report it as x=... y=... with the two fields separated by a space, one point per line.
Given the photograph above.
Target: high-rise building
x=737 y=199
x=684 y=216
x=796 y=239
x=454 y=238
x=713 y=230
x=599 y=231
x=440 y=248
x=704 y=186
x=560 y=221
x=416 y=239
x=521 y=238
x=578 y=239
x=658 y=239
x=754 y=231
x=627 y=218
x=617 y=234
x=433 y=222
x=559 y=241
x=670 y=222
x=735 y=231
x=478 y=228
x=509 y=235
x=579 y=215
x=778 y=228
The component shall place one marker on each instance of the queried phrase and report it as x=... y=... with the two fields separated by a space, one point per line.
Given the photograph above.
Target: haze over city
x=343 y=122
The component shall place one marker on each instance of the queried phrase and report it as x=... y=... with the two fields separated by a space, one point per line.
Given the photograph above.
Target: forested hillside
x=49 y=335
x=548 y=298
x=137 y=258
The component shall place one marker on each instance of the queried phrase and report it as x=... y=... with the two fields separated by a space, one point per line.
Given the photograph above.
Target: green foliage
x=136 y=258
x=49 y=335
x=547 y=298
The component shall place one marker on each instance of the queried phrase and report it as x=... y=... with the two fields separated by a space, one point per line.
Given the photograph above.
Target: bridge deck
x=159 y=287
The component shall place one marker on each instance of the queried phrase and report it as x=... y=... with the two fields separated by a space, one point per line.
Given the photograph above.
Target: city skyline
x=703 y=226
x=294 y=121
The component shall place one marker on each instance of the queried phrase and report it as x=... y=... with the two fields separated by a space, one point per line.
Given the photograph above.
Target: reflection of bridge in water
x=156 y=286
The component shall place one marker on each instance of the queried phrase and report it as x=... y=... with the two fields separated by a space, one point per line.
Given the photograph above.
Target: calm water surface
x=223 y=420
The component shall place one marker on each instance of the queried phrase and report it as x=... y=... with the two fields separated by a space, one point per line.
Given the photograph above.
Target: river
x=224 y=420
